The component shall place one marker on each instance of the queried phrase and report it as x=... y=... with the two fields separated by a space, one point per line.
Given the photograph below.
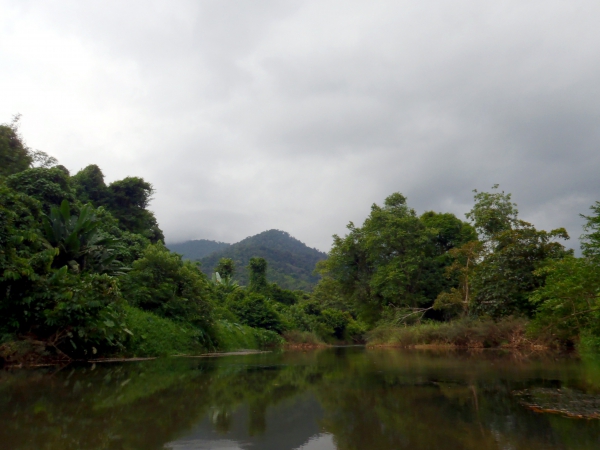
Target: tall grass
x=297 y=338
x=472 y=333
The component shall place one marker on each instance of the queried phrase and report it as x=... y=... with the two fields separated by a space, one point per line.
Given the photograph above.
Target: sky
x=299 y=115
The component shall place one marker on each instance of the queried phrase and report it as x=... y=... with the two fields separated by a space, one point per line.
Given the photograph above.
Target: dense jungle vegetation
x=84 y=273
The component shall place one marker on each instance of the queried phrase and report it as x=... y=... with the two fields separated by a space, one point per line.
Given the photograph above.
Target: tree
x=590 y=241
x=49 y=186
x=14 y=153
x=90 y=187
x=512 y=252
x=163 y=283
x=225 y=268
x=128 y=202
x=258 y=275
x=382 y=263
x=464 y=263
x=492 y=213
x=81 y=246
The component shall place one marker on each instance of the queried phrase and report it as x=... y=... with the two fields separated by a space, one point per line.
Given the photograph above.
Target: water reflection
x=338 y=398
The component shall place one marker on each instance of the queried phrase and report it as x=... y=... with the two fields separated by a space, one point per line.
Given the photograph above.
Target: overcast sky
x=298 y=115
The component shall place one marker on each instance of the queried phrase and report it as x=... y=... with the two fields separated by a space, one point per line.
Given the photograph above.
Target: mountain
x=290 y=262
x=197 y=249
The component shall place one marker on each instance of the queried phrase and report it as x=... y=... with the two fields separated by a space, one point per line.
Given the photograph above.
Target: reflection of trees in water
x=373 y=400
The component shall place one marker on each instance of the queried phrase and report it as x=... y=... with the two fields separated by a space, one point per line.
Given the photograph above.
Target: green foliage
x=152 y=335
x=279 y=295
x=258 y=275
x=80 y=244
x=162 y=283
x=590 y=241
x=14 y=154
x=226 y=268
x=493 y=213
x=90 y=187
x=128 y=200
x=232 y=336
x=393 y=259
x=466 y=332
x=256 y=311
x=569 y=301
x=49 y=186
x=290 y=262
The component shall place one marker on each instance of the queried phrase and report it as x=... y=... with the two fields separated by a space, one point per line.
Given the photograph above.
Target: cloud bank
x=298 y=115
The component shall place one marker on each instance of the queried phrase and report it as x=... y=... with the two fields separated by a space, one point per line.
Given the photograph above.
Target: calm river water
x=335 y=398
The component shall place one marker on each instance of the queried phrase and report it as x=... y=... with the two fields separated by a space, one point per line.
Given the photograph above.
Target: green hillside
x=197 y=249
x=291 y=262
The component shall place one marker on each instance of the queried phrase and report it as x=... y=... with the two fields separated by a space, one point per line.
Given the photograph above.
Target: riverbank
x=510 y=333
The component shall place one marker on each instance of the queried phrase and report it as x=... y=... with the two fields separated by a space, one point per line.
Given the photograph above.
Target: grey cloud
x=298 y=115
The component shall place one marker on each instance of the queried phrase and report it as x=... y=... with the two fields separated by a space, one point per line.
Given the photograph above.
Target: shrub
x=162 y=283
x=256 y=311
x=509 y=332
x=233 y=336
x=152 y=335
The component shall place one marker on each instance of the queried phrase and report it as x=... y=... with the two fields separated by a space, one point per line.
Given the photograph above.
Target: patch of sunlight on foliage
x=158 y=336
x=232 y=336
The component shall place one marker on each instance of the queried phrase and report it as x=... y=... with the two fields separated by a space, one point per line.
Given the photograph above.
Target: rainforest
x=85 y=275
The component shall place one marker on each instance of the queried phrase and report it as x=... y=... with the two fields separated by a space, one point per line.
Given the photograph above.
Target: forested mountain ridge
x=197 y=249
x=290 y=262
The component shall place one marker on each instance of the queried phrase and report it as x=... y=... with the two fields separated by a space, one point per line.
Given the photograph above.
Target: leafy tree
x=449 y=232
x=81 y=246
x=49 y=186
x=24 y=257
x=512 y=252
x=381 y=264
x=590 y=241
x=163 y=283
x=493 y=213
x=128 y=202
x=258 y=275
x=255 y=310
x=90 y=187
x=465 y=260
x=225 y=268
x=569 y=301
x=14 y=154
x=71 y=313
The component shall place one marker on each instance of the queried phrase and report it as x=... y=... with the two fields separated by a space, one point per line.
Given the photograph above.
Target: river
x=333 y=398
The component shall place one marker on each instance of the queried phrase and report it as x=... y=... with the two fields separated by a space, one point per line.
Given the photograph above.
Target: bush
x=296 y=337
x=153 y=335
x=508 y=332
x=232 y=336
x=162 y=283
x=256 y=311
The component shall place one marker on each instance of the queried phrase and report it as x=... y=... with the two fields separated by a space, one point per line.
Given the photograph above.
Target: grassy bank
x=302 y=339
x=466 y=333
x=232 y=336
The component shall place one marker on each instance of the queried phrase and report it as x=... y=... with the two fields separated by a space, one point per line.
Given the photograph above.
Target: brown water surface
x=335 y=398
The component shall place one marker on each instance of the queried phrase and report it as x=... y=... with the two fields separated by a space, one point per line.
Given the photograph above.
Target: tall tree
x=258 y=275
x=512 y=252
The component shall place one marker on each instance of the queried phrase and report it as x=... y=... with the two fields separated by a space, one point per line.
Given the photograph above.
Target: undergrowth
x=509 y=332
x=232 y=336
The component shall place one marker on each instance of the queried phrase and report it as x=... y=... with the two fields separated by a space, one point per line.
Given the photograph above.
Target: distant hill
x=290 y=262
x=198 y=249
